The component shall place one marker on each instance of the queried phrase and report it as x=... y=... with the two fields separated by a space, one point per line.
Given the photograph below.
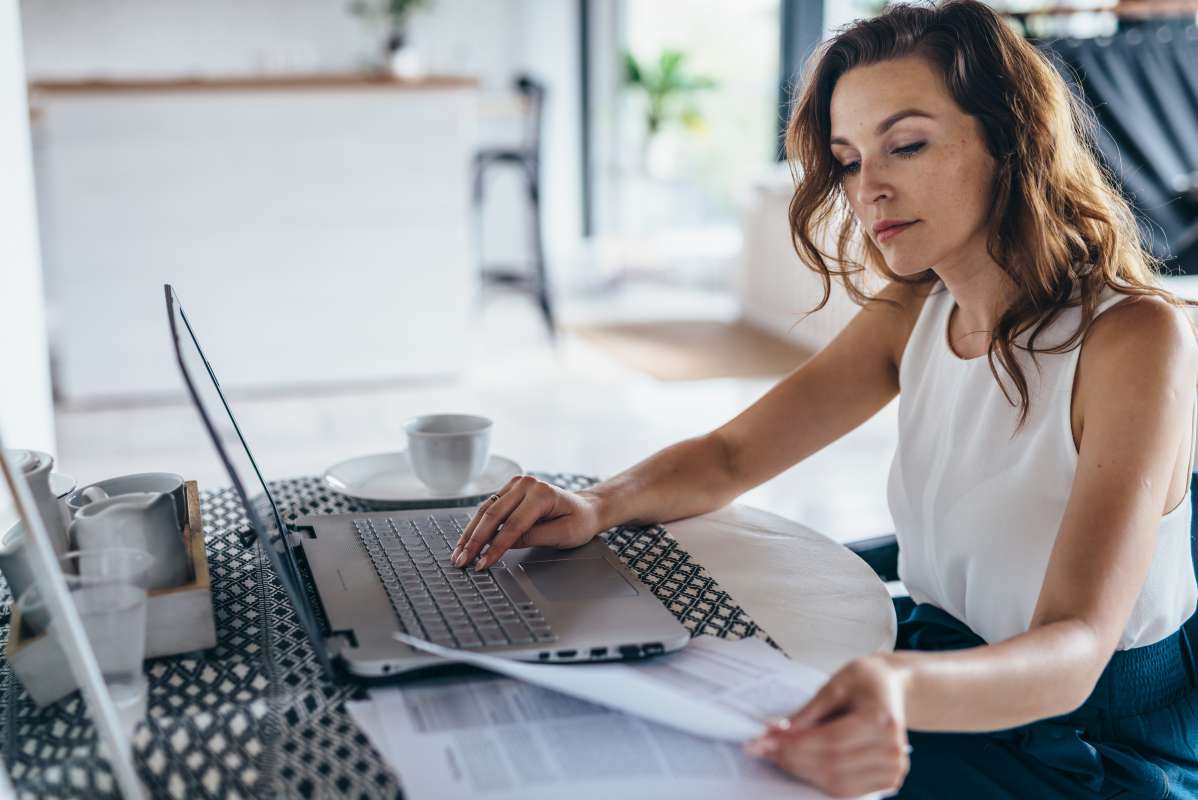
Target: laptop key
x=493 y=638
x=511 y=586
x=517 y=633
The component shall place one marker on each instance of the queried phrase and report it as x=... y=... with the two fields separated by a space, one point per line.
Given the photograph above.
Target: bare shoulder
x=1140 y=338
x=1141 y=327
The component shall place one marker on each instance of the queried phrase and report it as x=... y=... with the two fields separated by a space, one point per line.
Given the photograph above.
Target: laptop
x=376 y=573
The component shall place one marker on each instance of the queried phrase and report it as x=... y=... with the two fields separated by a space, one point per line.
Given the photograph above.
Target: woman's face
x=909 y=154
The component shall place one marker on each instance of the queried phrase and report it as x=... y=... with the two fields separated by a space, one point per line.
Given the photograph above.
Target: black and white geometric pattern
x=255 y=716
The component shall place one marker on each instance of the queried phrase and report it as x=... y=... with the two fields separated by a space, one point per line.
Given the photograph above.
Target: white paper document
x=502 y=738
x=717 y=688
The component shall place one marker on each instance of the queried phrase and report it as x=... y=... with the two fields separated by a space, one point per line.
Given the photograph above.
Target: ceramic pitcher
x=36 y=467
x=140 y=520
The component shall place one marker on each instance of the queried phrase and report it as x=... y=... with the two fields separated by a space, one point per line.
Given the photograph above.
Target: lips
x=887 y=232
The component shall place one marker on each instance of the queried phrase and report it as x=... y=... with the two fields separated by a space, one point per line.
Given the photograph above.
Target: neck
x=982 y=291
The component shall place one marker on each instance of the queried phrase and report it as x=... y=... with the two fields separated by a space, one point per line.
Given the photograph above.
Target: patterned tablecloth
x=254 y=716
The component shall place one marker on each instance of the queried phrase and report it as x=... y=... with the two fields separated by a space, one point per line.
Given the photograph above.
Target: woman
x=1046 y=416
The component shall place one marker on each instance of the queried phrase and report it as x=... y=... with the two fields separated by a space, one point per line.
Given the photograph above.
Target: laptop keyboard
x=439 y=602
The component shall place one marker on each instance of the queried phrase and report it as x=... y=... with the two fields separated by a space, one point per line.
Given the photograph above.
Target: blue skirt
x=1135 y=736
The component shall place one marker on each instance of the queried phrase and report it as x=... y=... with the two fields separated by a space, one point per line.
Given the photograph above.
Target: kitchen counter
x=297 y=82
x=316 y=228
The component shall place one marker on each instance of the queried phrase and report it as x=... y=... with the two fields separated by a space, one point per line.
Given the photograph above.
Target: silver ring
x=492 y=498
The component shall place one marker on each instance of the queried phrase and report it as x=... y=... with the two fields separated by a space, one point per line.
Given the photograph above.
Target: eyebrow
x=888 y=123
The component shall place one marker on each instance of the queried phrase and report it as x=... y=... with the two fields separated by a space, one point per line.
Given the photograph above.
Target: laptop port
x=544 y=655
x=567 y=653
x=630 y=650
x=653 y=649
x=598 y=652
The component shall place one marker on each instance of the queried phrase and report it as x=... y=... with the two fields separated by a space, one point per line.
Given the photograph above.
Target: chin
x=908 y=266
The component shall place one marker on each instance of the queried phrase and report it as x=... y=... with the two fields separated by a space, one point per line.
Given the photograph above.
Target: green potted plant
x=394 y=15
x=669 y=94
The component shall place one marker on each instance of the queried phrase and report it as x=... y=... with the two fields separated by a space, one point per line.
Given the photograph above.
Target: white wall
x=26 y=413
x=171 y=38
x=490 y=39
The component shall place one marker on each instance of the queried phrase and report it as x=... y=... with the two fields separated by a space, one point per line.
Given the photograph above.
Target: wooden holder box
x=178 y=620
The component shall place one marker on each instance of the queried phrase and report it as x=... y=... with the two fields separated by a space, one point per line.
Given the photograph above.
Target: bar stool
x=526 y=158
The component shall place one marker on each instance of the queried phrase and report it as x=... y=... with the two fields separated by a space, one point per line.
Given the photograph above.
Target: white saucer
x=386 y=480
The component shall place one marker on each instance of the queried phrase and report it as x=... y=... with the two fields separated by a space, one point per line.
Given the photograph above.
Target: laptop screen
x=234 y=451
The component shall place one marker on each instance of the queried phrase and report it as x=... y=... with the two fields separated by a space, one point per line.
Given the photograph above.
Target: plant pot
x=402 y=59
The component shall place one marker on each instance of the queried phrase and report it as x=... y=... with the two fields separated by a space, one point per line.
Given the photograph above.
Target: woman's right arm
x=839 y=388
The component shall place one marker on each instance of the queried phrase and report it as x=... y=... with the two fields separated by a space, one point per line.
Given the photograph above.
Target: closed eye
x=906 y=151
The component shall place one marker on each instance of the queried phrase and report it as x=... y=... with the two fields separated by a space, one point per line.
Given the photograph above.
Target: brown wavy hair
x=1062 y=230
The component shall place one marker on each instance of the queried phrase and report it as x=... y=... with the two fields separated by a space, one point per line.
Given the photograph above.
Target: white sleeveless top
x=977 y=510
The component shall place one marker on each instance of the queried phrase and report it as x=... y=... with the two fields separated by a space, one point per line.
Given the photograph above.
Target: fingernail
x=481 y=565
x=761 y=746
x=781 y=724
x=457 y=551
x=459 y=559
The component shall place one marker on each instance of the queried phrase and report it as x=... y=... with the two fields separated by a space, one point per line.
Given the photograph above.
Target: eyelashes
x=906 y=151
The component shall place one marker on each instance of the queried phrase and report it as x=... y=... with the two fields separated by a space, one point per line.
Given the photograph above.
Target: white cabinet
x=776 y=288
x=315 y=232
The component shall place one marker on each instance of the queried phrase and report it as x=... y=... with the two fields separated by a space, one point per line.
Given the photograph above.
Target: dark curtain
x=1143 y=86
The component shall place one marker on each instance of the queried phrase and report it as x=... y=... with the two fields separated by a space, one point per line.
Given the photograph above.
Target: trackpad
x=577 y=579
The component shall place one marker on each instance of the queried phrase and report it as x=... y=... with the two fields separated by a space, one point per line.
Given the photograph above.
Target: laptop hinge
x=304 y=526
x=338 y=642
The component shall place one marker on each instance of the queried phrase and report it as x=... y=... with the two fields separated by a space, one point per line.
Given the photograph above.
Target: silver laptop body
x=380 y=572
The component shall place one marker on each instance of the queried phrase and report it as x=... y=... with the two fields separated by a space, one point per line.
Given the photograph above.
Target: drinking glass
x=108 y=588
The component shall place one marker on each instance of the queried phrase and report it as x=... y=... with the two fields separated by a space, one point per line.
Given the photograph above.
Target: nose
x=871 y=186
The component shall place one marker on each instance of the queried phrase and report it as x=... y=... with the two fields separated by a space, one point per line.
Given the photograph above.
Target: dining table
x=256 y=716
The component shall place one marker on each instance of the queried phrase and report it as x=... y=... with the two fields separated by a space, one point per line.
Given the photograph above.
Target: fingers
x=851 y=772
x=486 y=523
x=867 y=770
x=474 y=521
x=514 y=526
x=844 y=733
x=859 y=752
x=832 y=697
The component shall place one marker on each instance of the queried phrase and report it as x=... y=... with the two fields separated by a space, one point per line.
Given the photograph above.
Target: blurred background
x=567 y=215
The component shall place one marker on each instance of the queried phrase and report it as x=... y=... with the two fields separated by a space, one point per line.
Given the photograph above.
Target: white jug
x=140 y=520
x=36 y=467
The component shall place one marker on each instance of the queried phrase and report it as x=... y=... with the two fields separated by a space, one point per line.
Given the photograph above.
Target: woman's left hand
x=851 y=738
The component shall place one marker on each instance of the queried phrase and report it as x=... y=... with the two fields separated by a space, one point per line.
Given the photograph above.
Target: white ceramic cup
x=448 y=451
x=167 y=482
x=14 y=560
